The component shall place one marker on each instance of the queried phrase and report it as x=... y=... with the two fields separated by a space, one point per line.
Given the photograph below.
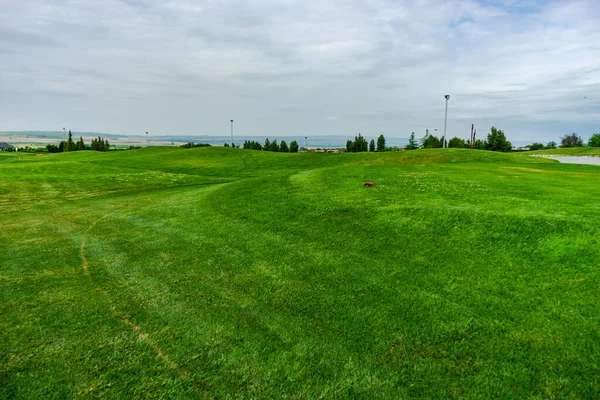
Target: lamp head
x=447 y=96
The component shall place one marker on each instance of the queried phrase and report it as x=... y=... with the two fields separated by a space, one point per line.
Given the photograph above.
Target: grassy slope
x=572 y=151
x=215 y=272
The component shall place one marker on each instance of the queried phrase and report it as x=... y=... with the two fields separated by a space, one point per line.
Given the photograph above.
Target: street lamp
x=231 y=133
x=446 y=121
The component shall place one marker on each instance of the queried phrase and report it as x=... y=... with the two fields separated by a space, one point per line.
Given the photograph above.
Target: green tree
x=381 y=143
x=52 y=148
x=431 y=141
x=536 y=146
x=349 y=145
x=360 y=144
x=496 y=141
x=372 y=145
x=551 y=145
x=80 y=145
x=412 y=142
x=69 y=144
x=594 y=140
x=457 y=142
x=571 y=140
x=274 y=146
x=283 y=147
x=294 y=147
x=267 y=145
x=225 y=144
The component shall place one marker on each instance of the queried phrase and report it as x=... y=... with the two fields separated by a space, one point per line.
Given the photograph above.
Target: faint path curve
x=142 y=335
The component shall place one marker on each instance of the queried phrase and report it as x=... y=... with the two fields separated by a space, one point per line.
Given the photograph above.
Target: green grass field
x=229 y=273
x=570 y=151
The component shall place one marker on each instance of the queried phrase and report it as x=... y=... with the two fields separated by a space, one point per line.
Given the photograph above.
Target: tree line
x=360 y=144
x=98 y=144
x=496 y=141
x=190 y=145
x=272 y=146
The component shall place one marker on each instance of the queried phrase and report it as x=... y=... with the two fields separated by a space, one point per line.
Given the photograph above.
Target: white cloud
x=319 y=67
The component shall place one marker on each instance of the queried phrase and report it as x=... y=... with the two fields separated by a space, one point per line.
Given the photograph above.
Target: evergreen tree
x=225 y=144
x=274 y=146
x=283 y=147
x=267 y=145
x=69 y=145
x=294 y=147
x=372 y=145
x=381 y=143
x=360 y=144
x=349 y=146
x=80 y=145
x=412 y=142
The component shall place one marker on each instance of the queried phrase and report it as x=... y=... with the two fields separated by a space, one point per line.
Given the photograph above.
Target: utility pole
x=305 y=141
x=231 y=133
x=472 y=127
x=446 y=121
x=147 y=140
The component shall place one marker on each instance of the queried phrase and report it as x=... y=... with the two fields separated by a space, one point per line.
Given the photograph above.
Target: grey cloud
x=25 y=39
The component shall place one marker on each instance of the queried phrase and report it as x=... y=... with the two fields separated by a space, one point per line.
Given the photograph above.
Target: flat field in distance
x=230 y=273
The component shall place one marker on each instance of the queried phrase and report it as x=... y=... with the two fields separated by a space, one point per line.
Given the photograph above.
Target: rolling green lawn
x=570 y=151
x=230 y=273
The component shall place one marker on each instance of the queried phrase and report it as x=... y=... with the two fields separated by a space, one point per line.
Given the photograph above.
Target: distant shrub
x=571 y=140
x=294 y=147
x=536 y=146
x=431 y=142
x=594 y=140
x=189 y=145
x=457 y=143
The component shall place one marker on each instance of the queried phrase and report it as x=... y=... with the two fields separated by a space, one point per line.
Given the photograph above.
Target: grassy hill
x=216 y=272
x=570 y=151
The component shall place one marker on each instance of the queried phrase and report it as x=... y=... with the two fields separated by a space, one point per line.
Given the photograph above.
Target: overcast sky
x=306 y=67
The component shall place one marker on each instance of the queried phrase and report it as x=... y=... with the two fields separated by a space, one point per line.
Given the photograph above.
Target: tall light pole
x=147 y=141
x=231 y=133
x=446 y=121
x=65 y=132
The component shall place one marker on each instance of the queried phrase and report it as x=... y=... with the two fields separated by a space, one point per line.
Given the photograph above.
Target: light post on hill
x=65 y=132
x=446 y=121
x=231 y=133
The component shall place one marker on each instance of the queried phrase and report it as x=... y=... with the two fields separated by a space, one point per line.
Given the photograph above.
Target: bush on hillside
x=496 y=141
x=594 y=140
x=571 y=140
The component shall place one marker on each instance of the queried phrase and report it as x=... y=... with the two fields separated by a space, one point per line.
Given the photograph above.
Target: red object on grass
x=369 y=184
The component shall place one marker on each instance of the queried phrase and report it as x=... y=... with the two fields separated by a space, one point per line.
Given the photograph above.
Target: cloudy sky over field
x=305 y=67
